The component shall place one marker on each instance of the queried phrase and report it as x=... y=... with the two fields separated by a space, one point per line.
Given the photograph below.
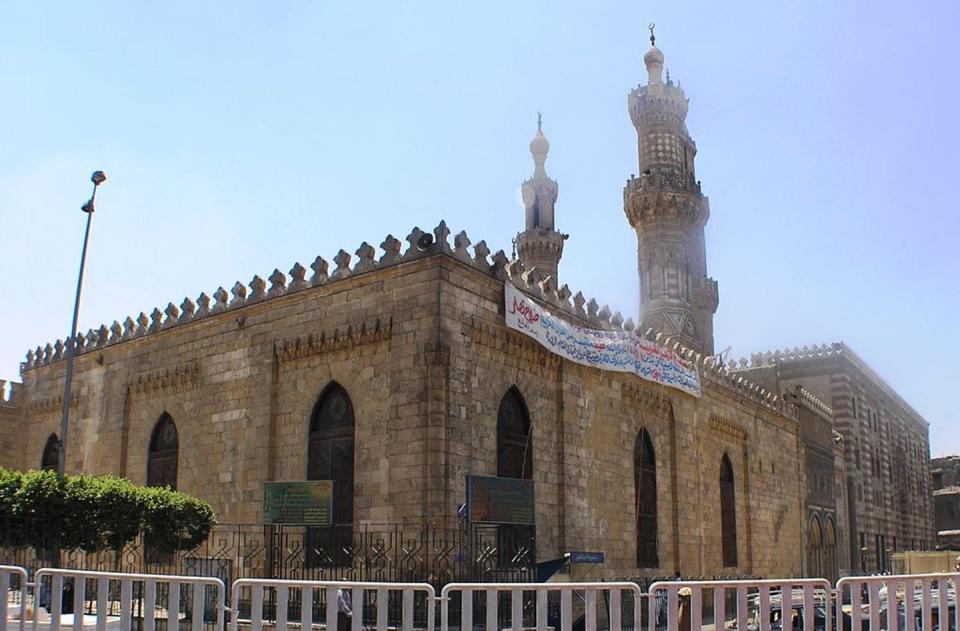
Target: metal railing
x=118 y=598
x=619 y=613
x=274 y=601
x=919 y=601
x=680 y=606
x=12 y=579
x=150 y=602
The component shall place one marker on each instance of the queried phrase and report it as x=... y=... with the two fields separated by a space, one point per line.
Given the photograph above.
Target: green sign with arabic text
x=500 y=500
x=302 y=503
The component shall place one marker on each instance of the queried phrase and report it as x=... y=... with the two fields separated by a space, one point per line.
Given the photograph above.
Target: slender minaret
x=667 y=210
x=540 y=246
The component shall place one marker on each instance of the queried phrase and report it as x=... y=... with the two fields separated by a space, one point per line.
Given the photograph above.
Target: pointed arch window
x=645 y=486
x=514 y=445
x=330 y=457
x=516 y=543
x=728 y=513
x=50 y=460
x=830 y=550
x=815 y=548
x=164 y=454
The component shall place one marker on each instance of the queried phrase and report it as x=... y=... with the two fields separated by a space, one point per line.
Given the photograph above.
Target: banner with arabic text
x=622 y=351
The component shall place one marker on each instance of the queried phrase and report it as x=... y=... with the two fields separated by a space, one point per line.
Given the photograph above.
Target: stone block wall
x=11 y=419
x=421 y=347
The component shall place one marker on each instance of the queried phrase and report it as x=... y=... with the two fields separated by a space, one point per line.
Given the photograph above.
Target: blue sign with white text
x=586 y=557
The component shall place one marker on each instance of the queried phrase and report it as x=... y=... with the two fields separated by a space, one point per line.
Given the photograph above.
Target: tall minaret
x=540 y=245
x=666 y=208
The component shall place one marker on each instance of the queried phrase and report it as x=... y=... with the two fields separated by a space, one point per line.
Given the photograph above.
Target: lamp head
x=98 y=178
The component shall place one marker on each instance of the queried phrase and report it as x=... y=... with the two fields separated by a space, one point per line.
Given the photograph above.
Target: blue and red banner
x=622 y=351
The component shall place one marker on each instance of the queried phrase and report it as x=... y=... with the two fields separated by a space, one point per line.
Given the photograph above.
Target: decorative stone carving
x=440 y=233
x=220 y=296
x=413 y=247
x=116 y=332
x=298 y=281
x=258 y=289
x=172 y=315
x=203 y=305
x=278 y=284
x=342 y=259
x=156 y=320
x=578 y=301
x=187 y=309
x=499 y=265
x=143 y=323
x=239 y=292
x=365 y=262
x=461 y=245
x=319 y=267
x=391 y=251
x=480 y=253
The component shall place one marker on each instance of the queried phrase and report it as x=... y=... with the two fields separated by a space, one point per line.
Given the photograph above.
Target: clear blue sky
x=243 y=136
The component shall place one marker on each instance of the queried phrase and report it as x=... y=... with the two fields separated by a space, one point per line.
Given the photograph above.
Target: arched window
x=815 y=548
x=164 y=453
x=515 y=543
x=645 y=485
x=728 y=513
x=162 y=461
x=50 y=461
x=514 y=444
x=830 y=550
x=330 y=457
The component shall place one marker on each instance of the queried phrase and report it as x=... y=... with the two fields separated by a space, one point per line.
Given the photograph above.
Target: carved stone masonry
x=391 y=250
x=278 y=284
x=342 y=259
x=319 y=267
x=258 y=289
x=297 y=275
x=366 y=262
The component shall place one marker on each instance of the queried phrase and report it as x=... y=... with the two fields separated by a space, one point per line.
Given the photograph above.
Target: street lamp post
x=97 y=178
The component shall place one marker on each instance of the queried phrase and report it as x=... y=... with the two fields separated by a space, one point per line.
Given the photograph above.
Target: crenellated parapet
x=365 y=259
x=10 y=392
x=772 y=358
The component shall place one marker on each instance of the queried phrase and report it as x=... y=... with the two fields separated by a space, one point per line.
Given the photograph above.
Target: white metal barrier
x=920 y=601
x=612 y=593
x=114 y=609
x=282 y=593
x=761 y=604
x=8 y=572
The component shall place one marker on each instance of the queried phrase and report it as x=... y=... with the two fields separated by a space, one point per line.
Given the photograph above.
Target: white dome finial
x=539 y=147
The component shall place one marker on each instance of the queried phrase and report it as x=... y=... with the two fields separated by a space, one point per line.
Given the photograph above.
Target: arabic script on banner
x=622 y=351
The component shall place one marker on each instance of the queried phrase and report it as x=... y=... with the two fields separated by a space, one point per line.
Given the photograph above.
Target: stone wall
x=11 y=419
x=419 y=342
x=886 y=447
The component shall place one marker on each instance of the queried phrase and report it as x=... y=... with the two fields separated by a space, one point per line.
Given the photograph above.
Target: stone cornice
x=652 y=402
x=724 y=427
x=51 y=405
x=334 y=340
x=164 y=382
x=499 y=338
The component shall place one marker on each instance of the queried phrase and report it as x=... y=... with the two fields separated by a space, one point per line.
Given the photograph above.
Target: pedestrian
x=344 y=610
x=684 y=622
